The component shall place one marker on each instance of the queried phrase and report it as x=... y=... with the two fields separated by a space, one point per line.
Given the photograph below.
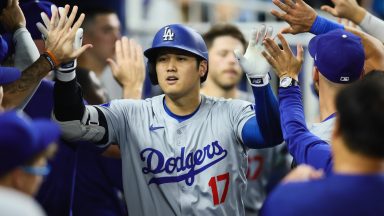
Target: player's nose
x=171 y=66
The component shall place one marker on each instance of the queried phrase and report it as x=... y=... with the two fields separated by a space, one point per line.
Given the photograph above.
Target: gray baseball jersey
x=261 y=164
x=196 y=167
x=324 y=129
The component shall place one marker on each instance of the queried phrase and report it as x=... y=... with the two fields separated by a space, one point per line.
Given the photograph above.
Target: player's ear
x=203 y=68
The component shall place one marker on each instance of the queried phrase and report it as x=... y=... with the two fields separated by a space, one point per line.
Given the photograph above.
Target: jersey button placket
x=179 y=133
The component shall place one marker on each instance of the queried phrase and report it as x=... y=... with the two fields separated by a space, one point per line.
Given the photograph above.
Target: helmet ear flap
x=151 y=68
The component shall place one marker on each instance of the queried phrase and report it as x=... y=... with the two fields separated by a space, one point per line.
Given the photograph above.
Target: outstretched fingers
x=300 y=53
x=71 y=19
x=281 y=5
x=77 y=24
x=63 y=16
x=284 y=42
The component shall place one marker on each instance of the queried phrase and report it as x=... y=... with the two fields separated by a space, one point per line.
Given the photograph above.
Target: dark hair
x=361 y=115
x=223 y=30
x=92 y=12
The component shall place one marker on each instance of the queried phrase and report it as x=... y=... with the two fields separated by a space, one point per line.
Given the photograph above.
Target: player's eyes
x=161 y=59
x=182 y=58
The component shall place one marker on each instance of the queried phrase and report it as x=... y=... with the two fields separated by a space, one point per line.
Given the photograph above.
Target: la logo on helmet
x=168 y=34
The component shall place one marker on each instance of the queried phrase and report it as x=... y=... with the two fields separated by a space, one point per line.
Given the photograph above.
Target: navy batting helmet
x=175 y=36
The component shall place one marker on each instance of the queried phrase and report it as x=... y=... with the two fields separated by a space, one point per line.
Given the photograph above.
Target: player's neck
x=90 y=62
x=327 y=104
x=211 y=89
x=347 y=162
x=183 y=105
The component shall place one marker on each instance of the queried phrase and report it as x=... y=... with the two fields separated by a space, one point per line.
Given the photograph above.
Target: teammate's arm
x=59 y=46
x=302 y=18
x=263 y=130
x=26 y=52
x=302 y=144
x=351 y=10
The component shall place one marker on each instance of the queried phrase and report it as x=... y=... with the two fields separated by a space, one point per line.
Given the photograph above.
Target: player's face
x=103 y=33
x=224 y=70
x=31 y=182
x=178 y=73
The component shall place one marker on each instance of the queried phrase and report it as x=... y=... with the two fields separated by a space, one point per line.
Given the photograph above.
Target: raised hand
x=299 y=15
x=129 y=68
x=303 y=173
x=253 y=63
x=282 y=60
x=61 y=35
x=348 y=9
x=12 y=17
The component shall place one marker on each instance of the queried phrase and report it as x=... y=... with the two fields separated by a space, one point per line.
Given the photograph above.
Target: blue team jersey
x=334 y=195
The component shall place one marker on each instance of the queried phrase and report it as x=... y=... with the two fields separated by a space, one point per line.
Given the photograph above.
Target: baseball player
x=224 y=75
x=357 y=182
x=183 y=153
x=334 y=71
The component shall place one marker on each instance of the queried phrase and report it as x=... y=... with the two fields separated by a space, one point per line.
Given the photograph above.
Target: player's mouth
x=171 y=79
x=231 y=73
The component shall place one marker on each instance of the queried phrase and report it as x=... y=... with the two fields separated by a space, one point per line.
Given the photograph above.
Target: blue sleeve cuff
x=323 y=25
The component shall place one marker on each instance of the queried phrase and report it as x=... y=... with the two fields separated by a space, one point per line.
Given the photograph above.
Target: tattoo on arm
x=17 y=91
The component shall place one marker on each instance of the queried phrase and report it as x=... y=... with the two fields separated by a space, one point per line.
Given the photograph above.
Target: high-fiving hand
x=129 y=68
x=283 y=61
x=253 y=63
x=62 y=37
x=12 y=17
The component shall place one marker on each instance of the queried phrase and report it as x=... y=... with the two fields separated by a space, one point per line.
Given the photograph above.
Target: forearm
x=68 y=101
x=26 y=51
x=267 y=114
x=373 y=26
x=77 y=121
x=16 y=92
x=303 y=146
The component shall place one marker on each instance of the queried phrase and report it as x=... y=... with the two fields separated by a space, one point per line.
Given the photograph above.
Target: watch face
x=285 y=81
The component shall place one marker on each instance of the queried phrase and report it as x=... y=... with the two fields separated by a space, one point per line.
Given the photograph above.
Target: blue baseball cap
x=8 y=75
x=22 y=139
x=3 y=49
x=339 y=55
x=32 y=10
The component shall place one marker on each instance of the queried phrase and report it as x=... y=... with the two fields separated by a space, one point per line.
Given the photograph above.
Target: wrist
x=51 y=58
x=132 y=93
x=288 y=81
x=359 y=15
x=292 y=75
x=322 y=25
x=259 y=81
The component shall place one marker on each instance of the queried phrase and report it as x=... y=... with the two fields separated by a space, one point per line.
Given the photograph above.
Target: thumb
x=329 y=10
x=287 y=30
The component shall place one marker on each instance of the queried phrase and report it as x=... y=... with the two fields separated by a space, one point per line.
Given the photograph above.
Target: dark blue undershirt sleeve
x=263 y=130
x=302 y=144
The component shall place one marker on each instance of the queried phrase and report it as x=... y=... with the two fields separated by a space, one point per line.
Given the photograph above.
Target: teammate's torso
x=196 y=167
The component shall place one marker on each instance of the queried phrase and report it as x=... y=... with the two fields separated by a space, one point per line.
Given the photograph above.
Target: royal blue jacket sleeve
x=302 y=144
x=264 y=129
